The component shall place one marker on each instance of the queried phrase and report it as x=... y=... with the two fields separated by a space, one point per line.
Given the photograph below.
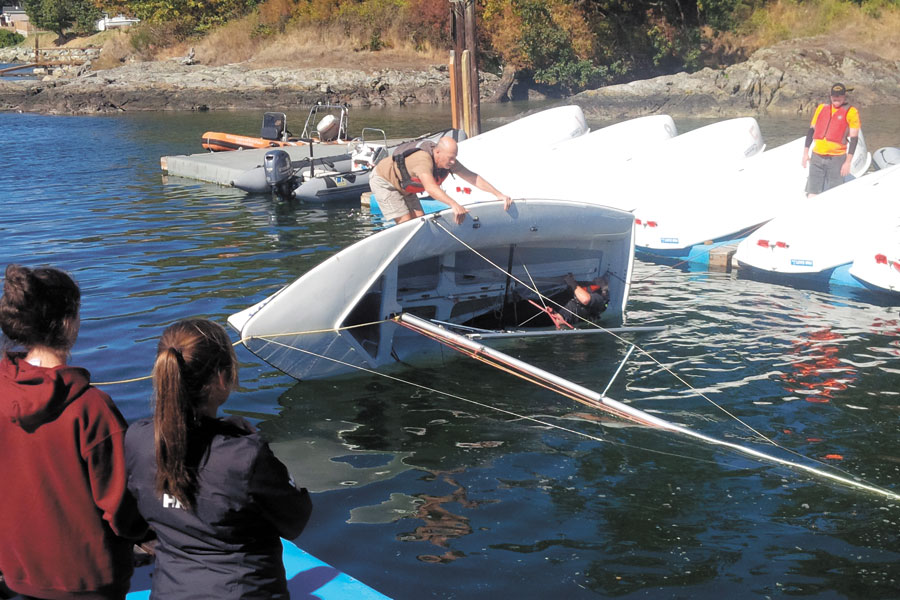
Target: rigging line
x=540 y=296
x=677 y=377
x=314 y=331
x=241 y=341
x=533 y=284
x=514 y=415
x=620 y=338
x=634 y=414
x=448 y=394
x=505 y=365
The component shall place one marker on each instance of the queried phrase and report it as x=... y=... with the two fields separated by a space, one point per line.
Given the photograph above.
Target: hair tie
x=178 y=355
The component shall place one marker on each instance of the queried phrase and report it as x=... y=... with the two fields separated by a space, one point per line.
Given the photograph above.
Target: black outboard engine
x=280 y=173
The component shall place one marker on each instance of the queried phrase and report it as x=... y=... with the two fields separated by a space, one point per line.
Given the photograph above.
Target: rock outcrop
x=789 y=77
x=173 y=85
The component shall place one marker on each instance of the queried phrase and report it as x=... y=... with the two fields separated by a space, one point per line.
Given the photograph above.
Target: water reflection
x=441 y=526
x=818 y=371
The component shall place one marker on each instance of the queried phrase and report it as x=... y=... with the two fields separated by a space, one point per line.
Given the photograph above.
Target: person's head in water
x=195 y=371
x=39 y=308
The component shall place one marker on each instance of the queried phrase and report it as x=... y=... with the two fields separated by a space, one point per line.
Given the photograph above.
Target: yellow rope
x=241 y=341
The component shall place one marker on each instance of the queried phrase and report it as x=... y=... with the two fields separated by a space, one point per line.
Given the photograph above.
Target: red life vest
x=833 y=127
x=413 y=185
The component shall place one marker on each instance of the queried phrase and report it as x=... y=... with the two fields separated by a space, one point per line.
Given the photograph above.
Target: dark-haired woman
x=210 y=488
x=65 y=510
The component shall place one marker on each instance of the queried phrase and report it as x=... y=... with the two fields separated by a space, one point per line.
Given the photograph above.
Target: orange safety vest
x=413 y=185
x=833 y=128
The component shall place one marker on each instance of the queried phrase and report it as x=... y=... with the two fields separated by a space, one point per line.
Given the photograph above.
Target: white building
x=14 y=18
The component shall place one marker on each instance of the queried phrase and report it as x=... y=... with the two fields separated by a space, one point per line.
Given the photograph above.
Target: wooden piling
x=472 y=48
x=454 y=92
x=458 y=31
x=467 y=93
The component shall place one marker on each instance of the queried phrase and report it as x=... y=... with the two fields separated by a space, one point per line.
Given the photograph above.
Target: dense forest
x=570 y=44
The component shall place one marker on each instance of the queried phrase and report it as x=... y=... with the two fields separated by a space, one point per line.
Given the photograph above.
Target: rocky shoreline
x=789 y=77
x=792 y=77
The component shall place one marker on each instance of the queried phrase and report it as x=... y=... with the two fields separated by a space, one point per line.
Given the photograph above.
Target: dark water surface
x=423 y=490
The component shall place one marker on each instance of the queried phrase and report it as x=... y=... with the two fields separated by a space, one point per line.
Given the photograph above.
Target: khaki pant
x=393 y=203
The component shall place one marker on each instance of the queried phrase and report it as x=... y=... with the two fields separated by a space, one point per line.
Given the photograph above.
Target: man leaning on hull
x=422 y=167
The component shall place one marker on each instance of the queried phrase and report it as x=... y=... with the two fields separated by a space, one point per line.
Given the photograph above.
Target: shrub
x=10 y=38
x=428 y=23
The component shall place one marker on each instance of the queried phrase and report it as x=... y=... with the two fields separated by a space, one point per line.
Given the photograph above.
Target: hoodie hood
x=31 y=396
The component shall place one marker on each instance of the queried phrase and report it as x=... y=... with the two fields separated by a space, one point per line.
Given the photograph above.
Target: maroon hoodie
x=64 y=501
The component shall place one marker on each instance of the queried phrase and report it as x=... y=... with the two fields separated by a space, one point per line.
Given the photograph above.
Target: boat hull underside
x=333 y=321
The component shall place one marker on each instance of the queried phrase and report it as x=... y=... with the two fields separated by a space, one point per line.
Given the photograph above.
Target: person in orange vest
x=422 y=167
x=833 y=134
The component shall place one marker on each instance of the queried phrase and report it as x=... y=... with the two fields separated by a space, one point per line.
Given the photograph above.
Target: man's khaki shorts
x=393 y=203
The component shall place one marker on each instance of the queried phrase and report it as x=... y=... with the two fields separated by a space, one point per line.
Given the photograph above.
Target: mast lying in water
x=602 y=402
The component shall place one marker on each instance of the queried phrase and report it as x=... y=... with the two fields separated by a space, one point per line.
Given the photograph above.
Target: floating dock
x=223 y=167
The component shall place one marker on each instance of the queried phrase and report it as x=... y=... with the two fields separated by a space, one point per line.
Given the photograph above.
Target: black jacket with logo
x=228 y=545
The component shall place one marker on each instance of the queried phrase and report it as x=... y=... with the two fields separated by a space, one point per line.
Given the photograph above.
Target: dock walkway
x=223 y=167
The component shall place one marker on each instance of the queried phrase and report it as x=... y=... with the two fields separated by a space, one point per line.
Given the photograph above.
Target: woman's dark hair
x=39 y=307
x=191 y=355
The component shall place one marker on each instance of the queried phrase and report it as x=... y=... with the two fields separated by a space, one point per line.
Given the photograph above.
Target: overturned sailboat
x=336 y=318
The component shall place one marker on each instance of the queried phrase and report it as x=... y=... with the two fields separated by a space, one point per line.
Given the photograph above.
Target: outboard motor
x=886 y=157
x=280 y=173
x=328 y=128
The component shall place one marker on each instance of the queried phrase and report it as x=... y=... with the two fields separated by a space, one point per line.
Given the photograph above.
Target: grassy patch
x=870 y=24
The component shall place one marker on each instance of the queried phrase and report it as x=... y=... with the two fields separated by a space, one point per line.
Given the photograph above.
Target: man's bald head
x=445 y=153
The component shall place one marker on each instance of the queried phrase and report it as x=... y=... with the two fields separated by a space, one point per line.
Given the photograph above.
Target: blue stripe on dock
x=310 y=577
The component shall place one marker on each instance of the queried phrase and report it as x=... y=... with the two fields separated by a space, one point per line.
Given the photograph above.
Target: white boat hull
x=876 y=265
x=818 y=237
x=727 y=204
x=538 y=168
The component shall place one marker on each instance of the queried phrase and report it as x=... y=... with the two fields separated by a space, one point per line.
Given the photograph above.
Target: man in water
x=422 y=167
x=832 y=126
x=588 y=302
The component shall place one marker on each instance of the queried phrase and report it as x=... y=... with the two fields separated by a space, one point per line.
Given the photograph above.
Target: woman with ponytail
x=217 y=498
x=65 y=513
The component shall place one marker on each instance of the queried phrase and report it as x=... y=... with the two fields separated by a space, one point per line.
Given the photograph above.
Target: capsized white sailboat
x=727 y=204
x=818 y=238
x=335 y=318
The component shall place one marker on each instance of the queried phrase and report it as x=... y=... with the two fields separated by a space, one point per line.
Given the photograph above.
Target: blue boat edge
x=429 y=205
x=306 y=575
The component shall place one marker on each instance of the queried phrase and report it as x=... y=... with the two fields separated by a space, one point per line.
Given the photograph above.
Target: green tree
x=191 y=16
x=59 y=15
x=548 y=40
